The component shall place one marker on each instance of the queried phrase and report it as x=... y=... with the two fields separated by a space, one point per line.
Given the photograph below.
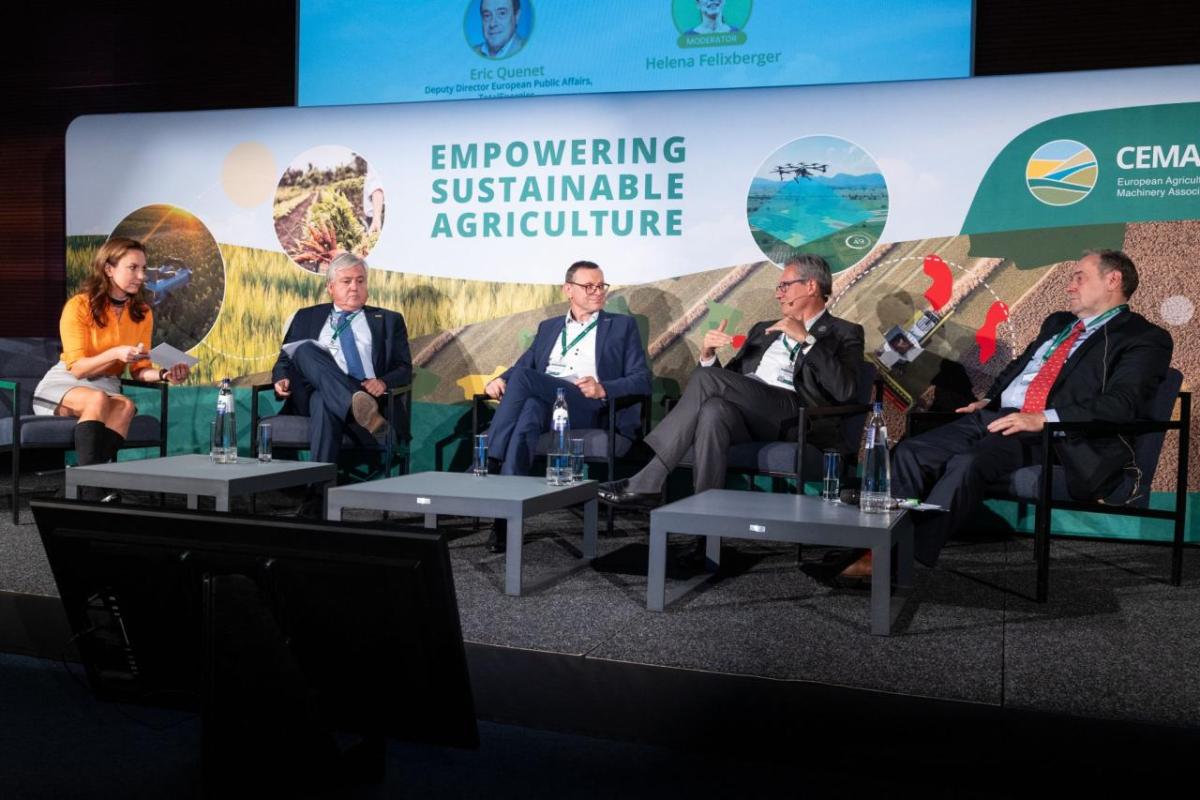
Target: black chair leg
x=16 y=483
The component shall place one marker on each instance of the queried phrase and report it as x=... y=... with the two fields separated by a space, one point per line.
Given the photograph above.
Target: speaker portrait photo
x=498 y=29
x=712 y=18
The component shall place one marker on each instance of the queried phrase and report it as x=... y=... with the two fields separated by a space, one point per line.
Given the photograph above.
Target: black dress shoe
x=498 y=539
x=617 y=494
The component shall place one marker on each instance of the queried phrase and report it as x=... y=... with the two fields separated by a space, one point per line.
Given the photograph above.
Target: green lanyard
x=1100 y=320
x=345 y=321
x=576 y=340
x=792 y=351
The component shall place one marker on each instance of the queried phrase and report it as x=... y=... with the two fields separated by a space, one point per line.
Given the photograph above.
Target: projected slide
x=384 y=52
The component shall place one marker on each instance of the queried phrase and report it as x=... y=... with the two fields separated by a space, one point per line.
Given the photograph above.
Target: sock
x=650 y=478
x=89 y=442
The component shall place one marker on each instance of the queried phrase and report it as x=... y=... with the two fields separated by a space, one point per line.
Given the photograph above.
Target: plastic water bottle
x=558 y=460
x=224 y=445
x=876 y=496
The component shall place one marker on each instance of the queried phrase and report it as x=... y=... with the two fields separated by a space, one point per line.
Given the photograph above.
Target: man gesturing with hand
x=807 y=357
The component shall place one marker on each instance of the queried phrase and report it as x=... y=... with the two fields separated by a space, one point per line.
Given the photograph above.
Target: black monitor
x=277 y=629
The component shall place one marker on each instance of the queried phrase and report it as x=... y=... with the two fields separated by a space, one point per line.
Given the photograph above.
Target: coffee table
x=787 y=518
x=514 y=498
x=196 y=475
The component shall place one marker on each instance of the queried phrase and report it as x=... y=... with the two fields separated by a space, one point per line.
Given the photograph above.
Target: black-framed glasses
x=782 y=286
x=592 y=288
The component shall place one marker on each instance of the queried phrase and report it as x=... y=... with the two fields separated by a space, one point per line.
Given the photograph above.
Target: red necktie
x=1039 y=387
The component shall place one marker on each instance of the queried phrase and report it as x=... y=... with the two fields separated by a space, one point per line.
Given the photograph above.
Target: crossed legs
x=950 y=467
x=524 y=414
x=718 y=408
x=104 y=421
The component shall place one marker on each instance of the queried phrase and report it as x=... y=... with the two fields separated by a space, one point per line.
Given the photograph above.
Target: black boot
x=90 y=440
x=112 y=443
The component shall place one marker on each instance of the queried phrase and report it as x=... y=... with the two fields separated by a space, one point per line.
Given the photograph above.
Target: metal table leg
x=881 y=590
x=589 y=528
x=512 y=558
x=656 y=570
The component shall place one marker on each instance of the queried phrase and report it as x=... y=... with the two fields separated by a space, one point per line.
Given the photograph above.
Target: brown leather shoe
x=859 y=569
x=365 y=411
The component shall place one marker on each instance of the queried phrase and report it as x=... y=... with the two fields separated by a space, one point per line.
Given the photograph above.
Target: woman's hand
x=128 y=353
x=178 y=373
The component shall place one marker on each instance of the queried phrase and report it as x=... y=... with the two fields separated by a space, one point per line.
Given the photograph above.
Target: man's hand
x=794 y=329
x=283 y=387
x=716 y=337
x=591 y=388
x=972 y=407
x=374 y=387
x=1018 y=422
x=495 y=388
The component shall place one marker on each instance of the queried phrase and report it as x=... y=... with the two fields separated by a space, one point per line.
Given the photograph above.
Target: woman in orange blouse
x=104 y=329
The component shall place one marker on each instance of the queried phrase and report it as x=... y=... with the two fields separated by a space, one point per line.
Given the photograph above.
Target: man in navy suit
x=1096 y=361
x=596 y=356
x=351 y=355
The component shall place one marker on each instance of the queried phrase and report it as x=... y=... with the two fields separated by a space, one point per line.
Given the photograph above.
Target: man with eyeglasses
x=806 y=358
x=596 y=356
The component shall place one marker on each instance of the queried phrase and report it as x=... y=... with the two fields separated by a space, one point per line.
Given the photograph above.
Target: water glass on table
x=479 y=465
x=264 y=442
x=576 y=460
x=831 y=483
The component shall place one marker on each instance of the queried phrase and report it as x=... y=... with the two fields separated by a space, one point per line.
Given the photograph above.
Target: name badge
x=554 y=369
x=786 y=376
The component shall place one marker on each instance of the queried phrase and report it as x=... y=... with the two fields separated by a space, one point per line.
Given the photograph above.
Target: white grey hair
x=344 y=261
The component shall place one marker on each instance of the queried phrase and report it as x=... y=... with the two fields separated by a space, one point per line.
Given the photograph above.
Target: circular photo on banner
x=327 y=201
x=710 y=23
x=185 y=272
x=818 y=194
x=498 y=29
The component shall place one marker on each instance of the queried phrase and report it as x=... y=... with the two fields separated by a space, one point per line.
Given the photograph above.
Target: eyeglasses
x=782 y=286
x=591 y=288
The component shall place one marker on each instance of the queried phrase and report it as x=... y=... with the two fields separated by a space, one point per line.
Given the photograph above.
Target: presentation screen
x=384 y=52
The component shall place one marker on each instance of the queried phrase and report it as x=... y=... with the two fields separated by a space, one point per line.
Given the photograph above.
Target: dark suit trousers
x=720 y=408
x=326 y=391
x=524 y=414
x=950 y=466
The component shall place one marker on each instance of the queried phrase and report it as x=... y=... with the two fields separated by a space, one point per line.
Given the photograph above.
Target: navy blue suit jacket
x=390 y=355
x=620 y=360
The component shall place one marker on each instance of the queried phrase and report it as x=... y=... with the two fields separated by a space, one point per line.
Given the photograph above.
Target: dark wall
x=109 y=58
x=135 y=56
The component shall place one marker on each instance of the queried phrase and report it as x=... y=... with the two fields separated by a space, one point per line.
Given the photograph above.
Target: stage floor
x=1115 y=642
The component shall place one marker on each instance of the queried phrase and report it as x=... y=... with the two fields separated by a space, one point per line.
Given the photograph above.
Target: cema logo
x=1062 y=172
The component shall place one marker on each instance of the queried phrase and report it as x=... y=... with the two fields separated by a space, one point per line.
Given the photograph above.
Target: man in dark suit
x=592 y=354
x=351 y=355
x=807 y=358
x=1096 y=362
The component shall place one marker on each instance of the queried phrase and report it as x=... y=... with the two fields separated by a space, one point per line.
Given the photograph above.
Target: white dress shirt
x=362 y=337
x=580 y=358
x=778 y=359
x=1013 y=395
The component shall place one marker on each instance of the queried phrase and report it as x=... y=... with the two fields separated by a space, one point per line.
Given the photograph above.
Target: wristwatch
x=162 y=374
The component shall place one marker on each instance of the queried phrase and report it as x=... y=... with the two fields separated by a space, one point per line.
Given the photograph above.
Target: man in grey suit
x=806 y=358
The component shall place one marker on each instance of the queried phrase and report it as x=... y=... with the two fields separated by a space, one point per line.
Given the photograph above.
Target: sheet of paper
x=290 y=347
x=167 y=356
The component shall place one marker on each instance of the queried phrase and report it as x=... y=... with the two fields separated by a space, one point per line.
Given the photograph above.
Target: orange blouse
x=82 y=337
